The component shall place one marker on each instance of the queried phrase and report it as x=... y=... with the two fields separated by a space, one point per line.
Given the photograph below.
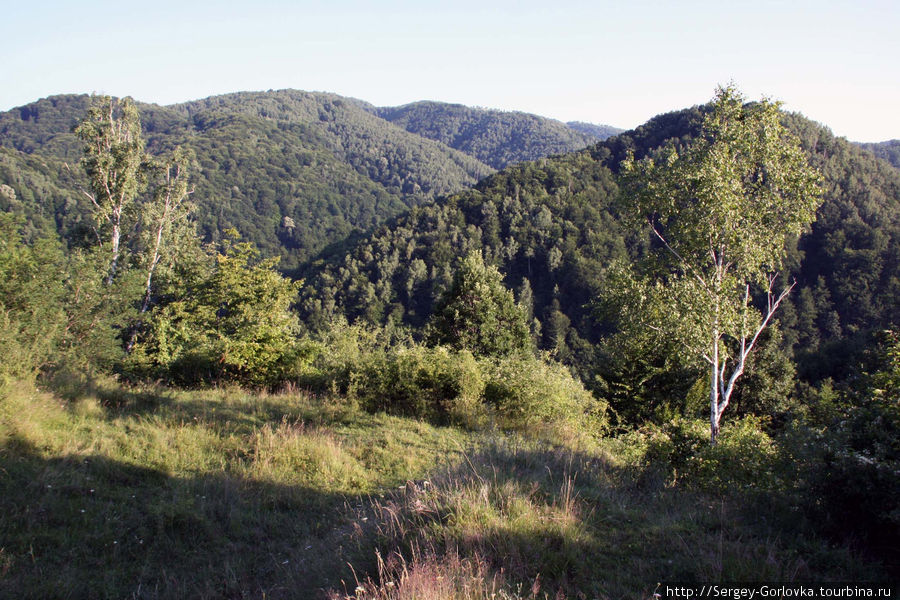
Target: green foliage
x=850 y=260
x=529 y=394
x=889 y=151
x=384 y=371
x=477 y=313
x=113 y=154
x=601 y=132
x=744 y=460
x=232 y=323
x=293 y=171
x=32 y=319
x=722 y=209
x=435 y=384
x=767 y=386
x=735 y=194
x=548 y=223
x=851 y=467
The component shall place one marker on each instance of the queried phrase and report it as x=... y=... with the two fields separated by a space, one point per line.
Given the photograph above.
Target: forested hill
x=551 y=227
x=292 y=171
x=498 y=138
x=601 y=132
x=889 y=151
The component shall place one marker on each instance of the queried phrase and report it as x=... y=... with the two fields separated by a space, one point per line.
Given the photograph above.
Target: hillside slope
x=498 y=138
x=292 y=171
x=889 y=151
x=552 y=223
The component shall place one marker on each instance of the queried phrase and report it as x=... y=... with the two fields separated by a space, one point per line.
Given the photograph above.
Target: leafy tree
x=721 y=210
x=477 y=313
x=113 y=155
x=167 y=210
x=31 y=294
x=230 y=322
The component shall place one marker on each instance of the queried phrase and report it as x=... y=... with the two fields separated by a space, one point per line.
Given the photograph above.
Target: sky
x=618 y=63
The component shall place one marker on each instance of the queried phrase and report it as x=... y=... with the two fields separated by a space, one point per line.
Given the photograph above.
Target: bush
x=436 y=384
x=528 y=392
x=384 y=371
x=744 y=459
x=32 y=319
x=231 y=324
x=853 y=487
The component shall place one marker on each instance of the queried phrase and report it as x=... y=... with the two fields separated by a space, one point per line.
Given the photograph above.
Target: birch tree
x=168 y=208
x=113 y=155
x=720 y=211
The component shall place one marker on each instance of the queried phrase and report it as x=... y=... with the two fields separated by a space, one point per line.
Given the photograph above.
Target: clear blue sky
x=616 y=62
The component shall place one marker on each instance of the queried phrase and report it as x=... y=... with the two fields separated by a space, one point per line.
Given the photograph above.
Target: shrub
x=528 y=392
x=31 y=310
x=744 y=459
x=436 y=384
x=232 y=324
x=854 y=486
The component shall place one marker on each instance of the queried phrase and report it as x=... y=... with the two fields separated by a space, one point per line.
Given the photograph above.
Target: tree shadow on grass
x=580 y=526
x=86 y=526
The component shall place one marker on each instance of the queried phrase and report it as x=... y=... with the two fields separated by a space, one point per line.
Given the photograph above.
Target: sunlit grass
x=149 y=492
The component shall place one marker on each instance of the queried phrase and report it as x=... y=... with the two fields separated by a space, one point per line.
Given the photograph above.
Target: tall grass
x=109 y=491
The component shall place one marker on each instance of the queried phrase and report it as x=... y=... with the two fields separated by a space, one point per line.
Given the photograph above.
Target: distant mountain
x=293 y=171
x=889 y=151
x=600 y=132
x=497 y=138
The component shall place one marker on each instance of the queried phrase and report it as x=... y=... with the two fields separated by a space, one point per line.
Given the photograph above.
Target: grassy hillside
x=111 y=492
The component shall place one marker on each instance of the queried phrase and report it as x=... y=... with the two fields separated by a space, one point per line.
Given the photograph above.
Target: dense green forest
x=494 y=137
x=293 y=171
x=552 y=226
x=889 y=151
x=300 y=323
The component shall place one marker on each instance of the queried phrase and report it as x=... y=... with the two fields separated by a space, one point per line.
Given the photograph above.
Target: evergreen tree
x=477 y=313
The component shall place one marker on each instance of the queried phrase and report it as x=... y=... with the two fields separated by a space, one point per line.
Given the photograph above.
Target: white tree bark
x=720 y=392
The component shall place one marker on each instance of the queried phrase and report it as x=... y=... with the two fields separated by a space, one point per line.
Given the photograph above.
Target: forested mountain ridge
x=889 y=151
x=293 y=171
x=297 y=171
x=601 y=132
x=552 y=228
x=498 y=138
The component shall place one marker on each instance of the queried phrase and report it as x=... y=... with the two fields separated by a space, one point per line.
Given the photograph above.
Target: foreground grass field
x=115 y=492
